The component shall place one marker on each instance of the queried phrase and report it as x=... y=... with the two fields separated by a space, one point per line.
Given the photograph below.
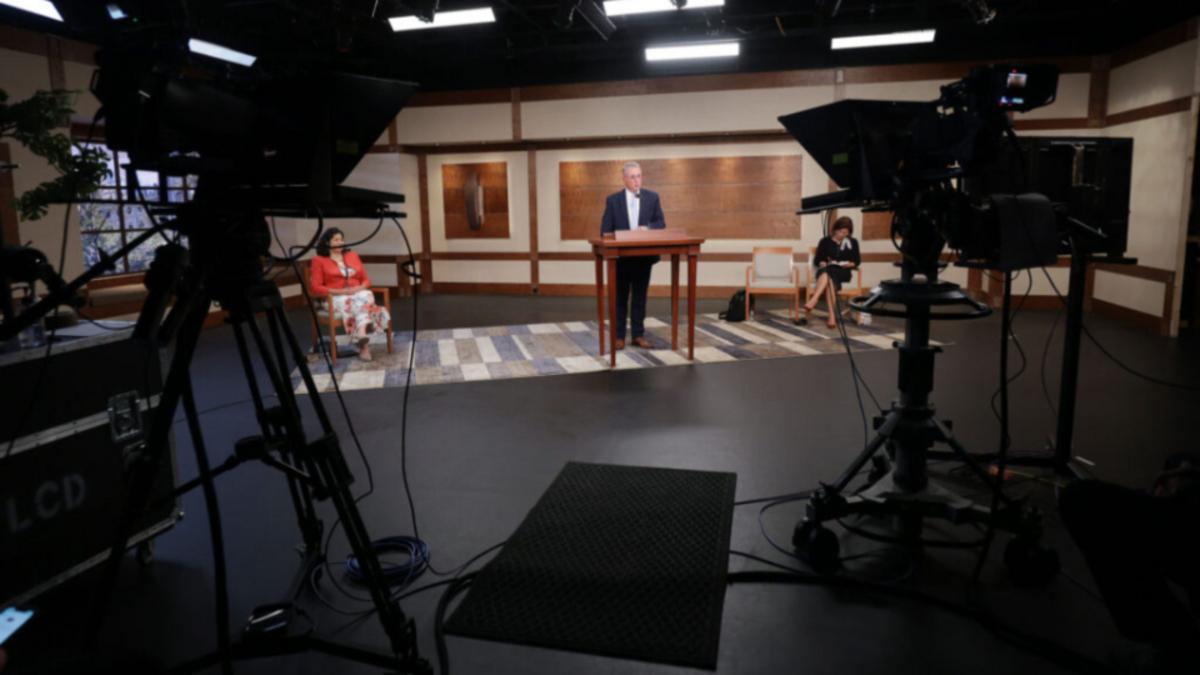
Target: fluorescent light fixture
x=620 y=7
x=218 y=52
x=40 y=7
x=911 y=37
x=703 y=50
x=115 y=12
x=460 y=17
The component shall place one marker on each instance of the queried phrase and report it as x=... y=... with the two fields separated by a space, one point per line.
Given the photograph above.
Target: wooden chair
x=323 y=319
x=773 y=272
x=848 y=291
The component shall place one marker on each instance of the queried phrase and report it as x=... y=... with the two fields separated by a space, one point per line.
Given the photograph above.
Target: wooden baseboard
x=664 y=291
x=1147 y=322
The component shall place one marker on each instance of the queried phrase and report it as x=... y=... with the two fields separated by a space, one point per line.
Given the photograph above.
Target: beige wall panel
x=1142 y=295
x=79 y=78
x=1155 y=201
x=21 y=75
x=472 y=271
x=518 y=204
x=917 y=90
x=708 y=274
x=567 y=272
x=698 y=112
x=381 y=275
x=455 y=123
x=1071 y=101
x=1160 y=77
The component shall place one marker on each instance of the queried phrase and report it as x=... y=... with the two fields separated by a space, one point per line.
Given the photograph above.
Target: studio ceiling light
x=40 y=7
x=218 y=52
x=706 y=50
x=884 y=39
x=116 y=13
x=461 y=17
x=620 y=7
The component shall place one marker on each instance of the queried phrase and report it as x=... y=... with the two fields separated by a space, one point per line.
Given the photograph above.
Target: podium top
x=671 y=236
x=650 y=235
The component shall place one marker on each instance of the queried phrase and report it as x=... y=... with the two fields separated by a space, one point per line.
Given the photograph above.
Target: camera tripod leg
x=220 y=580
x=881 y=436
x=993 y=482
x=274 y=429
x=325 y=460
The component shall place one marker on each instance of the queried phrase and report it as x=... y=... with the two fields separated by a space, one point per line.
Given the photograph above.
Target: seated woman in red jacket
x=338 y=271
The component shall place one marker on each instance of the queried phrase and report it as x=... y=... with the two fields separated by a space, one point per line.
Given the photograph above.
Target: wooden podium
x=634 y=243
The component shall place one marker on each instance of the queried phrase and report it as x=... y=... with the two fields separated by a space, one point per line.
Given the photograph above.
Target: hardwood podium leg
x=600 y=301
x=612 y=311
x=692 y=258
x=675 y=301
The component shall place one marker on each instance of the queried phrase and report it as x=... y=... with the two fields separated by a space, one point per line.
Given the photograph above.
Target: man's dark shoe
x=620 y=344
x=642 y=342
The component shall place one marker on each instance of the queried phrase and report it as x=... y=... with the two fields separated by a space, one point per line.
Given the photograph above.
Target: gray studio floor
x=480 y=455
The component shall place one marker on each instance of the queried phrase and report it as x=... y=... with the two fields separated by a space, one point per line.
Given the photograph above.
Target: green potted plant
x=37 y=123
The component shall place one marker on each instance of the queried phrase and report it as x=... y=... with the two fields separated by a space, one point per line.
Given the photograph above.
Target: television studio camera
x=273 y=139
x=934 y=165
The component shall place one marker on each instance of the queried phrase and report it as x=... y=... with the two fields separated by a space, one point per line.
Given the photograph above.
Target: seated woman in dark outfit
x=836 y=258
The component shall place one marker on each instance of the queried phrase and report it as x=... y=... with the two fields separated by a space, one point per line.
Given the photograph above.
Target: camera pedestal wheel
x=817 y=546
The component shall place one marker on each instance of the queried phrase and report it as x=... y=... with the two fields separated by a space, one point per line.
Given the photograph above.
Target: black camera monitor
x=306 y=129
x=1023 y=88
x=860 y=144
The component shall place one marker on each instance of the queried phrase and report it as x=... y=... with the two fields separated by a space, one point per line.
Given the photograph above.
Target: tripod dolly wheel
x=1029 y=563
x=817 y=546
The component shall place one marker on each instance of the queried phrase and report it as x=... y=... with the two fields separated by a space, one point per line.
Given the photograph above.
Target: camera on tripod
x=919 y=161
x=922 y=161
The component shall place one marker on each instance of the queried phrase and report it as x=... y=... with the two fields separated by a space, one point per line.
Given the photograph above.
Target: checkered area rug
x=531 y=350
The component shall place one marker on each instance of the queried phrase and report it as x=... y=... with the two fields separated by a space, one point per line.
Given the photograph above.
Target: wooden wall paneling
x=1182 y=104
x=875 y=225
x=712 y=197
x=426 y=242
x=516 y=113
x=493 y=176
x=1098 y=91
x=534 y=271
x=33 y=42
x=54 y=59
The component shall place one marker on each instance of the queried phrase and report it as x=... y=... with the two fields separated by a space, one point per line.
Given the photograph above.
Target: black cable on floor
x=841 y=324
x=455 y=587
x=854 y=374
x=1114 y=359
x=1017 y=343
x=803 y=494
x=1045 y=354
x=1005 y=439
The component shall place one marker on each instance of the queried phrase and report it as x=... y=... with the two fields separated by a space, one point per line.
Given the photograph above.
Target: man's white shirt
x=631 y=208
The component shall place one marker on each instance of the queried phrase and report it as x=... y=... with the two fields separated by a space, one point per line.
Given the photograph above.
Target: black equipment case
x=78 y=418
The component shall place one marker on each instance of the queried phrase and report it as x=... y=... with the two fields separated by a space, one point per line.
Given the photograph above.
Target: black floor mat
x=615 y=560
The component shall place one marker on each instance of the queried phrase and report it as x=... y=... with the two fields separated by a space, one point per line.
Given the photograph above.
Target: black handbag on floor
x=737 y=308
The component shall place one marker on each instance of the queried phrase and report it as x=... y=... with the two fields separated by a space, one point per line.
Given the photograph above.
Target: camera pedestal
x=899 y=484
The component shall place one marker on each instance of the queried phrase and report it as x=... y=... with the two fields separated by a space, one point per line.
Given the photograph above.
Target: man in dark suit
x=629 y=209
